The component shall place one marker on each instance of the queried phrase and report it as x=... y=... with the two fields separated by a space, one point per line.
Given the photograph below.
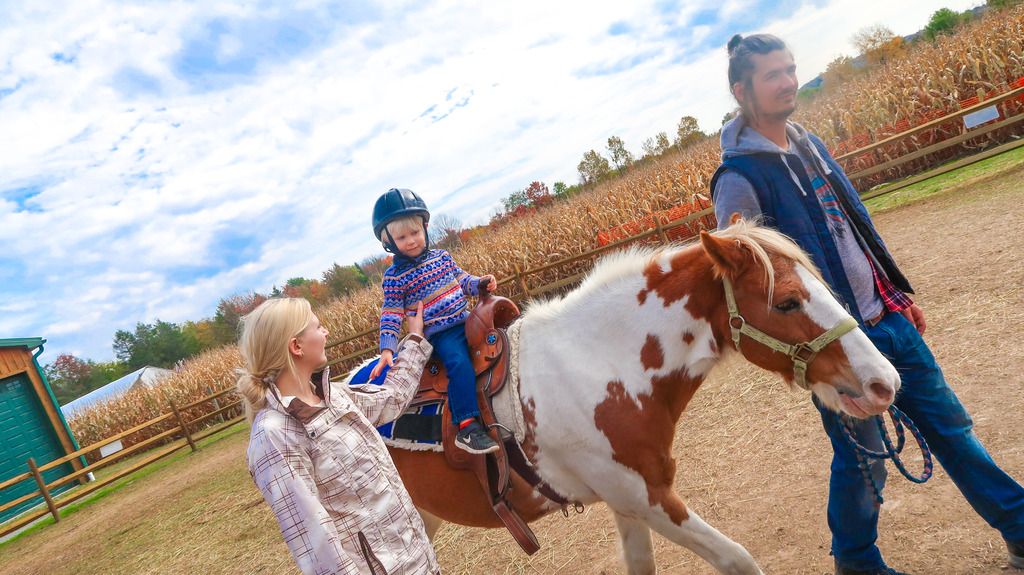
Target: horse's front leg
x=637 y=551
x=674 y=521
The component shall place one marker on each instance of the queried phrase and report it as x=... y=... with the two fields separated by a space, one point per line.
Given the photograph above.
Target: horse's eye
x=787 y=306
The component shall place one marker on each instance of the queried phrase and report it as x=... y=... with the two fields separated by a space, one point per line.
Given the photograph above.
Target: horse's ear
x=736 y=217
x=727 y=256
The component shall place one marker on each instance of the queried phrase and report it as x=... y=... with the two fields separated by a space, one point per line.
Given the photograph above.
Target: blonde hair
x=406 y=224
x=266 y=332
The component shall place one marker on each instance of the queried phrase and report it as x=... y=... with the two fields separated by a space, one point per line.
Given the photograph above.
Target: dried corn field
x=985 y=58
x=933 y=78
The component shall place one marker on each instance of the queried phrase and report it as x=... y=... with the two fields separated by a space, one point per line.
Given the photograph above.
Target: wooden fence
x=518 y=285
x=184 y=433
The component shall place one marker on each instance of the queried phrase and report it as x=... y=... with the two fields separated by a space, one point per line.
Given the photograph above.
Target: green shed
x=31 y=424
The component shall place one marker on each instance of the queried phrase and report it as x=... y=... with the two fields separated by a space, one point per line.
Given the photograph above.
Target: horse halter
x=800 y=353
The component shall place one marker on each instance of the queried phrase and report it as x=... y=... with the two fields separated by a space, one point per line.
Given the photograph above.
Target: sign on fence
x=111 y=448
x=975 y=119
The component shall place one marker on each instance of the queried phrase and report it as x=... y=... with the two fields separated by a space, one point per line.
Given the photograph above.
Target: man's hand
x=386 y=358
x=915 y=315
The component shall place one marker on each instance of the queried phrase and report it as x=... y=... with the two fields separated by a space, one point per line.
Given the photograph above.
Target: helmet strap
x=389 y=245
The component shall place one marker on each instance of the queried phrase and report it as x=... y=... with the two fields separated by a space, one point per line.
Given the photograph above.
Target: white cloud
x=167 y=139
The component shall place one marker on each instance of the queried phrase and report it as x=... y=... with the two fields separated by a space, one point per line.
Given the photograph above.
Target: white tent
x=148 y=376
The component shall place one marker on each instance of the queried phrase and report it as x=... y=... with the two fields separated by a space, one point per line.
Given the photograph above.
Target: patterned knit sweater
x=433 y=278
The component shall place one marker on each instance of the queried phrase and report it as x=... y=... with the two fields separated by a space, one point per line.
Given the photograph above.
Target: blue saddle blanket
x=387 y=430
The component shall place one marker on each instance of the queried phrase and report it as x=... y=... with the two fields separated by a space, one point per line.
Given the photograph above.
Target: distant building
x=147 y=376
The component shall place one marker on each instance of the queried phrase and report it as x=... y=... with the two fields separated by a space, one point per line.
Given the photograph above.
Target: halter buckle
x=733 y=322
x=802 y=352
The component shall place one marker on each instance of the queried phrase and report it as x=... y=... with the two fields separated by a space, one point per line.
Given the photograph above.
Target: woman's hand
x=414 y=323
x=386 y=358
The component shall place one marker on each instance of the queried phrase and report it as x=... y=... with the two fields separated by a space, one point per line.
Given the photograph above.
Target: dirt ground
x=752 y=458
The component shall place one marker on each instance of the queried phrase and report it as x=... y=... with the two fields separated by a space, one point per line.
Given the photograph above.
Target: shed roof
x=29 y=342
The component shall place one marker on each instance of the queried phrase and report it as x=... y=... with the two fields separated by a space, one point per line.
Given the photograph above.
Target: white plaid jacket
x=330 y=481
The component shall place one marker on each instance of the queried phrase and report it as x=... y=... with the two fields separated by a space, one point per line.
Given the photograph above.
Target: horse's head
x=784 y=318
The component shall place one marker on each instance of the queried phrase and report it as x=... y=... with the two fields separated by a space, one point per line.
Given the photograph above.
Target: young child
x=419 y=273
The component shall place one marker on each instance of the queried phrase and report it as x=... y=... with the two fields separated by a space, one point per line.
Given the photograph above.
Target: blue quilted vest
x=799 y=215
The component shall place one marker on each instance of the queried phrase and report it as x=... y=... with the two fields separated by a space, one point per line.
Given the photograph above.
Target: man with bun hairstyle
x=775 y=169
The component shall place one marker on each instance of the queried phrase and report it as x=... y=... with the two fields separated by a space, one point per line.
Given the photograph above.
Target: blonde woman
x=315 y=455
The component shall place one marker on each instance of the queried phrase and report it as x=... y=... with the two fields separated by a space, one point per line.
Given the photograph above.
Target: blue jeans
x=931 y=404
x=451 y=347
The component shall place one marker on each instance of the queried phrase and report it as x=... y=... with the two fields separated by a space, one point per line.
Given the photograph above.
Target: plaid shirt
x=892 y=298
x=328 y=477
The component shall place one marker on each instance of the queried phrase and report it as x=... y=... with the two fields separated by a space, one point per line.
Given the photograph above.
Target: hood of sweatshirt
x=740 y=139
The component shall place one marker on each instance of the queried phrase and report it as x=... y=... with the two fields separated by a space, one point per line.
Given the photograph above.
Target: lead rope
x=864 y=455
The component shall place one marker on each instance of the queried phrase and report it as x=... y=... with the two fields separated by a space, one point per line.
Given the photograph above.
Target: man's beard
x=782 y=115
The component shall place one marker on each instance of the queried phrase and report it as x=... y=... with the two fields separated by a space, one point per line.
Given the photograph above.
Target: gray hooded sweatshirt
x=734 y=194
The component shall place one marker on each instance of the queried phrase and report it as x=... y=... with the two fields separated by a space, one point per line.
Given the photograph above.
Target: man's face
x=774 y=85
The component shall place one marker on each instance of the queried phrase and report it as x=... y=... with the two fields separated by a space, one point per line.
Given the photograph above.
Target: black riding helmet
x=395 y=204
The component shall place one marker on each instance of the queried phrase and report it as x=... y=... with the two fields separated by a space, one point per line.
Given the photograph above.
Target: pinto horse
x=607 y=370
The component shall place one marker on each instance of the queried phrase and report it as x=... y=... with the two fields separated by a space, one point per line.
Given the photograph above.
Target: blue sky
x=157 y=156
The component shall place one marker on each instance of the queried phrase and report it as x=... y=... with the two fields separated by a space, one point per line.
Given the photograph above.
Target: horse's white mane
x=760 y=240
x=627 y=263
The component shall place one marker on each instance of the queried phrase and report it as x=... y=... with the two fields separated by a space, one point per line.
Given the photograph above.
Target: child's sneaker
x=473 y=439
x=1016 y=552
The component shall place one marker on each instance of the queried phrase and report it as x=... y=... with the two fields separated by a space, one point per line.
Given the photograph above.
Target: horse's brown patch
x=687 y=338
x=651 y=354
x=641 y=432
x=641 y=296
x=530 y=420
x=456 y=495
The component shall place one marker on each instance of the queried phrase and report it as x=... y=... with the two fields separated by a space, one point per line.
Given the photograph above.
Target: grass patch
x=965 y=176
x=124 y=481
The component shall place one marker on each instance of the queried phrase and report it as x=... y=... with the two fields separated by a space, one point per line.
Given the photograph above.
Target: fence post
x=181 y=423
x=522 y=283
x=216 y=404
x=657 y=225
x=43 y=490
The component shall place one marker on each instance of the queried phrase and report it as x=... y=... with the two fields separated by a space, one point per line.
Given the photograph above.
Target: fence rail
x=187 y=437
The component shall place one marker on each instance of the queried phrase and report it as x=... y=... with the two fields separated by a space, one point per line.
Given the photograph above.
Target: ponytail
x=263 y=344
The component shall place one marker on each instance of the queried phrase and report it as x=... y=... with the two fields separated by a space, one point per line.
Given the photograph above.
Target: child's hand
x=414 y=323
x=385 y=359
x=492 y=284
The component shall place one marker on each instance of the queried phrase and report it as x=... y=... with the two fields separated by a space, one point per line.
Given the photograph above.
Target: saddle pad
x=361 y=375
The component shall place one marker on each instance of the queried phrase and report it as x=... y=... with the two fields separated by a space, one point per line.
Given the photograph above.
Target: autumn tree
x=656 y=145
x=313 y=291
x=374 y=267
x=229 y=313
x=592 y=167
x=445 y=230
x=71 y=377
x=878 y=44
x=838 y=72
x=620 y=156
x=688 y=132
x=342 y=280
x=538 y=195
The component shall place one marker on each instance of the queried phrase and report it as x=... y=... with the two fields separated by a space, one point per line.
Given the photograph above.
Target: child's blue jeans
x=452 y=349
x=931 y=404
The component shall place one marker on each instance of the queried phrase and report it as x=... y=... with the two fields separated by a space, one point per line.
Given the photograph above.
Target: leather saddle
x=489 y=350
